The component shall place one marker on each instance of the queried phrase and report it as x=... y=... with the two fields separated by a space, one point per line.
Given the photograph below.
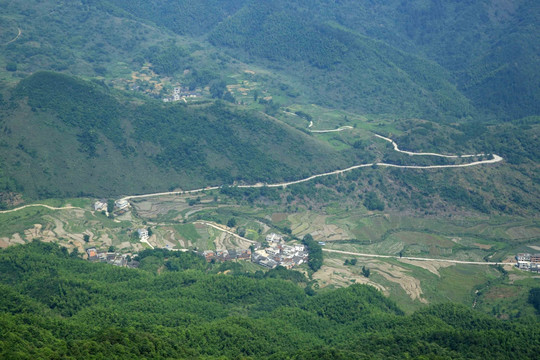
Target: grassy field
x=508 y=298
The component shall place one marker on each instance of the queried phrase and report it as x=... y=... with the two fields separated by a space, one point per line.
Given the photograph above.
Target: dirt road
x=40 y=205
x=15 y=38
x=414 y=258
x=347 y=127
x=496 y=158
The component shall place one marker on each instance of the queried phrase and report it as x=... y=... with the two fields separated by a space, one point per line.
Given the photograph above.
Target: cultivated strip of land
x=217 y=227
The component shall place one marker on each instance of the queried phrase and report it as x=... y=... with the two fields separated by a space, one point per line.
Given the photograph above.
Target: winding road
x=396 y=148
x=15 y=38
x=495 y=159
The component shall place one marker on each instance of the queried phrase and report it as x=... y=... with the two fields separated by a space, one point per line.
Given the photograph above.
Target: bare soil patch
x=398 y=275
x=277 y=217
x=430 y=266
x=333 y=273
x=483 y=246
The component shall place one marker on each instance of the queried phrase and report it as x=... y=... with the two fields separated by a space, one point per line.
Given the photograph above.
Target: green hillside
x=430 y=59
x=488 y=50
x=56 y=305
x=343 y=68
x=463 y=63
x=69 y=137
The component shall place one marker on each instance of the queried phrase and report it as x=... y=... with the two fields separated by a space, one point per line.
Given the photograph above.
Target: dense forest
x=55 y=304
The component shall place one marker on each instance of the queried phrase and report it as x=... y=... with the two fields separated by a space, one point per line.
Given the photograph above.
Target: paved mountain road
x=15 y=38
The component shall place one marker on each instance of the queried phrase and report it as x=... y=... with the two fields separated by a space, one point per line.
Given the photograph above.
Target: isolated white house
x=121 y=204
x=143 y=234
x=100 y=205
x=275 y=238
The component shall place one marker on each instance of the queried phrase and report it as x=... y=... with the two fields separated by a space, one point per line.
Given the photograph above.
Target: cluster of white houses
x=180 y=93
x=528 y=262
x=277 y=253
x=120 y=206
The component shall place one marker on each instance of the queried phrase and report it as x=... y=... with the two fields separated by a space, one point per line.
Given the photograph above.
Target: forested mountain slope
x=466 y=65
x=69 y=137
x=344 y=69
x=489 y=48
x=440 y=60
x=56 y=305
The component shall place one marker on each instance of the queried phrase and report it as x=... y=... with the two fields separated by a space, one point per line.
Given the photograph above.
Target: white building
x=100 y=206
x=523 y=257
x=275 y=238
x=121 y=204
x=143 y=234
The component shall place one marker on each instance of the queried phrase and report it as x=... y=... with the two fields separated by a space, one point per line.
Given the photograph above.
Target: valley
x=165 y=215
x=237 y=179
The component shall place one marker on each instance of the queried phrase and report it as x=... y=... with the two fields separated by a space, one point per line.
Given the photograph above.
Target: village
x=112 y=258
x=271 y=253
x=181 y=93
x=528 y=262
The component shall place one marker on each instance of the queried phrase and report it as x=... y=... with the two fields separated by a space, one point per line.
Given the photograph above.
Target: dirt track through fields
x=415 y=258
x=42 y=205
